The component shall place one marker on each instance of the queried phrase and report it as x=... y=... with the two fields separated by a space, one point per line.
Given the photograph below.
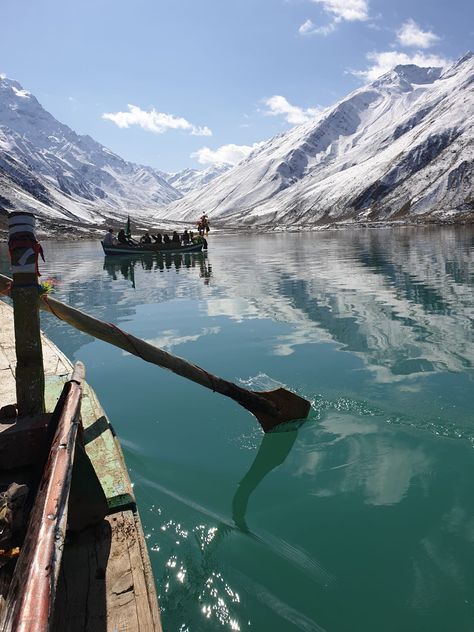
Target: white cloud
x=171 y=338
x=224 y=155
x=153 y=121
x=385 y=61
x=278 y=105
x=350 y=10
x=411 y=34
x=309 y=28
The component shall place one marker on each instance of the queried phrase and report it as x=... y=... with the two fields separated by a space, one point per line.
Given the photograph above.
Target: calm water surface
x=362 y=518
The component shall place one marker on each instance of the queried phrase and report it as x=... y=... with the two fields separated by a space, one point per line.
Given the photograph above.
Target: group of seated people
x=176 y=238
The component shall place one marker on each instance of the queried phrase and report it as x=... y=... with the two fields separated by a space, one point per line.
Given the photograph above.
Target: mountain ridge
x=47 y=167
x=400 y=147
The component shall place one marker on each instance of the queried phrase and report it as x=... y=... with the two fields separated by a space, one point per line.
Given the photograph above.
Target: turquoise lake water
x=361 y=519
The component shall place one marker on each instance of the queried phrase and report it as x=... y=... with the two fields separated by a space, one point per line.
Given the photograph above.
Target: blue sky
x=185 y=83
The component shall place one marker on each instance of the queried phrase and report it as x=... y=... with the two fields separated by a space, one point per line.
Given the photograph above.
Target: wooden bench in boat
x=105 y=581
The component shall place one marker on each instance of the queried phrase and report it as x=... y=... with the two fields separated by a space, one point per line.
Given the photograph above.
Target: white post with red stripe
x=24 y=249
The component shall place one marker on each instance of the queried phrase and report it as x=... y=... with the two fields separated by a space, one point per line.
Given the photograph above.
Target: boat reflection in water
x=127 y=266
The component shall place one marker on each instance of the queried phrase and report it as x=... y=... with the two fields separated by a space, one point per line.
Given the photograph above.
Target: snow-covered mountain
x=48 y=168
x=194 y=179
x=401 y=146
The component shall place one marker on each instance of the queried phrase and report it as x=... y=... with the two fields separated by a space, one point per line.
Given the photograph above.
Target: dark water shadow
x=273 y=451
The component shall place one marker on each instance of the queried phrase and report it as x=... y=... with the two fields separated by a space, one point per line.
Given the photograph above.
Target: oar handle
x=270 y=408
x=128 y=342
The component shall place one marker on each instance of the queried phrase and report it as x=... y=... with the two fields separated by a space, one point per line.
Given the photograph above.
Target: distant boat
x=139 y=249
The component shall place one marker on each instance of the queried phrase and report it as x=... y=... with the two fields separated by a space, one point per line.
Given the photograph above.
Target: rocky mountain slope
x=194 y=179
x=399 y=147
x=64 y=177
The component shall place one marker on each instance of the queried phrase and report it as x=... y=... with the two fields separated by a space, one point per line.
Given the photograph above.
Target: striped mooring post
x=24 y=250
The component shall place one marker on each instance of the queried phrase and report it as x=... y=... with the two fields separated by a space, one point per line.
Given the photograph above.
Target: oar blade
x=288 y=406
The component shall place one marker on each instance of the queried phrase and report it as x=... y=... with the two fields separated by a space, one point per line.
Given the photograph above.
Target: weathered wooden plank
x=148 y=609
x=107 y=559
x=101 y=445
x=105 y=452
x=80 y=603
x=54 y=362
x=122 y=610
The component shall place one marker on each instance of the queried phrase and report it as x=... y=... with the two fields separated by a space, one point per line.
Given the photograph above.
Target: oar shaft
x=115 y=336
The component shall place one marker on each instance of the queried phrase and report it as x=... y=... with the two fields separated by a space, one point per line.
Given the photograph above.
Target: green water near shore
x=360 y=519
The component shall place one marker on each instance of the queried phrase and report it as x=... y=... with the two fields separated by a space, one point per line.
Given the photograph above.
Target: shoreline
x=47 y=230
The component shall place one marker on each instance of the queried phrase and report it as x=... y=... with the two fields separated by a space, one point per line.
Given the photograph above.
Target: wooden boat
x=161 y=249
x=82 y=563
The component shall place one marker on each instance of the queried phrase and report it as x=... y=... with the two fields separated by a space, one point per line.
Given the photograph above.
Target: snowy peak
x=463 y=65
x=46 y=167
x=399 y=147
x=416 y=75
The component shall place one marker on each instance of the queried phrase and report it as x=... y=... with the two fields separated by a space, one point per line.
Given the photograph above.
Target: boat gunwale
x=146 y=249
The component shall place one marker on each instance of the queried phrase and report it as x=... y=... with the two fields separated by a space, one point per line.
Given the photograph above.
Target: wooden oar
x=269 y=407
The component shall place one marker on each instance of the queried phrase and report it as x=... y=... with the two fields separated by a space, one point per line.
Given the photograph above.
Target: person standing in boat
x=158 y=239
x=185 y=237
x=203 y=226
x=145 y=239
x=109 y=239
x=175 y=239
x=166 y=239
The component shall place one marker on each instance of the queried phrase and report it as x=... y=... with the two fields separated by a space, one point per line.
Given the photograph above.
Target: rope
x=210 y=377
x=128 y=339
x=45 y=298
x=7 y=290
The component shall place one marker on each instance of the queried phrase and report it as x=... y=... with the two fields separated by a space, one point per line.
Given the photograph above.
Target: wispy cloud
x=224 y=155
x=350 y=10
x=153 y=121
x=339 y=11
x=279 y=106
x=171 y=338
x=384 y=61
x=310 y=28
x=410 y=34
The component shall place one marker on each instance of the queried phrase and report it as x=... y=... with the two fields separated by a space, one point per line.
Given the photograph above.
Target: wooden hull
x=165 y=249
x=105 y=580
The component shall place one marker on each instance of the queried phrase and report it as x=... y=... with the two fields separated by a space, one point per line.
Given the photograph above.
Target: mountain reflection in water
x=362 y=518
